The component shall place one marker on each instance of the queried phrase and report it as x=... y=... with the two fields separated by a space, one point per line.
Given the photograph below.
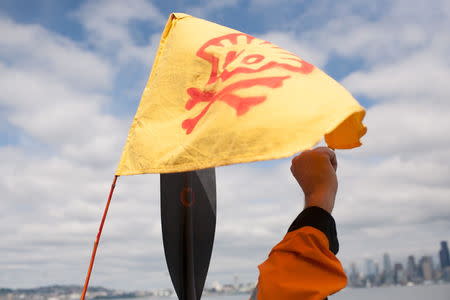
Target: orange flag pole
x=97 y=240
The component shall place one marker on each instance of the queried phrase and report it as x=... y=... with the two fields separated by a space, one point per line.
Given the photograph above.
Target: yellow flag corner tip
x=178 y=15
x=347 y=133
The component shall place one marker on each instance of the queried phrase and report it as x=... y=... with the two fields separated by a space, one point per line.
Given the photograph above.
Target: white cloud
x=31 y=48
x=419 y=76
x=296 y=45
x=60 y=115
x=55 y=93
x=406 y=128
x=110 y=30
x=51 y=213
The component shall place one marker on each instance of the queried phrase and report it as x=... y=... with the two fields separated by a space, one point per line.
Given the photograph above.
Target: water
x=423 y=292
x=427 y=292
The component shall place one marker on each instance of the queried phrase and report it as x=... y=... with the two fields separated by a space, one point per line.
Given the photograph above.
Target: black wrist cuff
x=320 y=219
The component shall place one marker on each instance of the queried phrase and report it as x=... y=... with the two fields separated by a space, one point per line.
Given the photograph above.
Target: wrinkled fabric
x=216 y=96
x=301 y=266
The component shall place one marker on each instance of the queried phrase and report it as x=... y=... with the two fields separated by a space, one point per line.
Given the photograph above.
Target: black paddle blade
x=188 y=218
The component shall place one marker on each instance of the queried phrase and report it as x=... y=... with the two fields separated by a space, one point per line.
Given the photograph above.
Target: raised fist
x=315 y=171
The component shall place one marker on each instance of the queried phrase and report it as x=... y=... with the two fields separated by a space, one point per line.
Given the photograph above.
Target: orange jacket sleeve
x=303 y=266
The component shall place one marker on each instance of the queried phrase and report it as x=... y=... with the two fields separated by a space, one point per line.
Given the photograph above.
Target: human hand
x=315 y=171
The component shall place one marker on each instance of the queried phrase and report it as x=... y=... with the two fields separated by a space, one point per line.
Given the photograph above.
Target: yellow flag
x=217 y=96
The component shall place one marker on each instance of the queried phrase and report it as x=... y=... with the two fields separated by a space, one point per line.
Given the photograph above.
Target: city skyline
x=368 y=268
x=398 y=257
x=409 y=270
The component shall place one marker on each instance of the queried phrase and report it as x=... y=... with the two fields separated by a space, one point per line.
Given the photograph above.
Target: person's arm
x=303 y=265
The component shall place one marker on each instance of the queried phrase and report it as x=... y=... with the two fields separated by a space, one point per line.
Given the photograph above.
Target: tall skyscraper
x=370 y=267
x=387 y=263
x=411 y=269
x=387 y=270
x=426 y=265
x=444 y=255
x=354 y=278
x=354 y=269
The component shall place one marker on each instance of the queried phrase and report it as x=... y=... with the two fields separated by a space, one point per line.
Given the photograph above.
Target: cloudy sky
x=71 y=75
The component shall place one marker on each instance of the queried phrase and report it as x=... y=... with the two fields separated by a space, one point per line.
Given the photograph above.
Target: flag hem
x=358 y=110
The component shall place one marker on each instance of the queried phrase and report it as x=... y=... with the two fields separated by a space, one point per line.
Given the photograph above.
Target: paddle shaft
x=188 y=235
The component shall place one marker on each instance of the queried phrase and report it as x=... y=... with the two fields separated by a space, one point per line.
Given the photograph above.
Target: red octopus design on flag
x=229 y=57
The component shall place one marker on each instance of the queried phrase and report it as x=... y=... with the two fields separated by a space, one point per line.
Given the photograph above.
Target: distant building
x=388 y=274
x=426 y=266
x=387 y=263
x=444 y=255
x=354 y=276
x=411 y=269
x=370 y=272
x=399 y=274
x=370 y=267
x=446 y=274
x=377 y=279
